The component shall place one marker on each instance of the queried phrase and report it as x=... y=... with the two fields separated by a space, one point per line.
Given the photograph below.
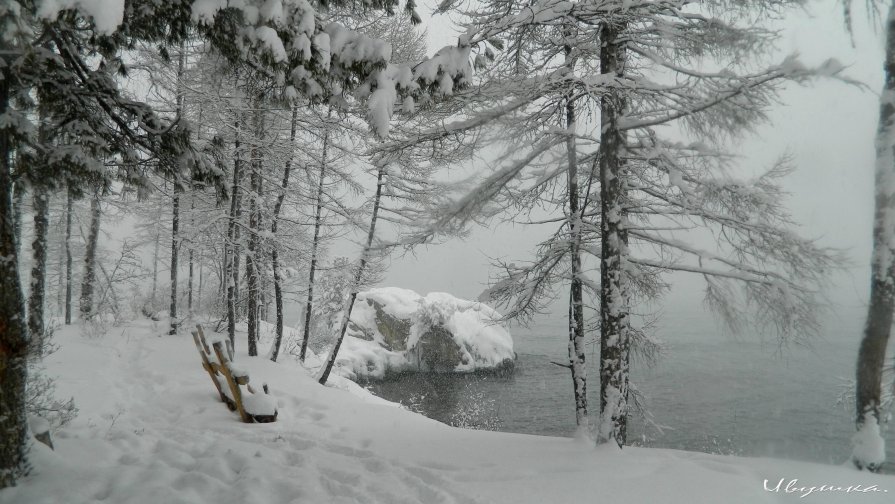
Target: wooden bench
x=228 y=379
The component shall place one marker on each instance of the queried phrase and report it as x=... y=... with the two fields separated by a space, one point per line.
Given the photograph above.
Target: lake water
x=709 y=392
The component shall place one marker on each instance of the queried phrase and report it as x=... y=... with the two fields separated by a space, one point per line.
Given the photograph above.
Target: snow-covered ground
x=151 y=429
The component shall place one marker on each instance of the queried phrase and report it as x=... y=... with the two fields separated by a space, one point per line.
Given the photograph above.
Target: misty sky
x=828 y=126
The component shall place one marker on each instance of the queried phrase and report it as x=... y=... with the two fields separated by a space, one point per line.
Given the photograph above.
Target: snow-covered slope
x=152 y=430
x=395 y=330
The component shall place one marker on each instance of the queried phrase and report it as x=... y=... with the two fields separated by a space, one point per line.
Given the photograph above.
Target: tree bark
x=576 y=295
x=274 y=253
x=175 y=246
x=872 y=353
x=13 y=330
x=175 y=204
x=201 y=284
x=37 y=295
x=231 y=270
x=18 y=207
x=69 y=207
x=189 y=295
x=155 y=258
x=614 y=322
x=89 y=280
x=252 y=281
x=355 y=285
x=309 y=305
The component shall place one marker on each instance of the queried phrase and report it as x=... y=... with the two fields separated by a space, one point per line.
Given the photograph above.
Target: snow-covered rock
x=394 y=330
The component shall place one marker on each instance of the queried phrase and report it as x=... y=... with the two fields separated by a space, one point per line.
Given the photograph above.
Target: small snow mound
x=869 y=445
x=259 y=404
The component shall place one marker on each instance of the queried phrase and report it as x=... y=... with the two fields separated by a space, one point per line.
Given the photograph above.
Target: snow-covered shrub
x=330 y=293
x=40 y=389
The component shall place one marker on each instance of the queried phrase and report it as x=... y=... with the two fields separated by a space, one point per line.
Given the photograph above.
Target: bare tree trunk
x=175 y=245
x=13 y=331
x=60 y=266
x=614 y=322
x=201 y=283
x=358 y=276
x=869 y=451
x=69 y=207
x=89 y=281
x=189 y=297
x=37 y=295
x=231 y=269
x=18 y=207
x=252 y=273
x=175 y=211
x=155 y=258
x=274 y=252
x=306 y=330
x=576 y=297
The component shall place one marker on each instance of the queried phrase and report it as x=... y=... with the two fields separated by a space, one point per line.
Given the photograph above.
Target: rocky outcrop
x=396 y=330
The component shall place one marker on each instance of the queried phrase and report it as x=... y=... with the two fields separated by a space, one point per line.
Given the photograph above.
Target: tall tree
x=254 y=246
x=39 y=265
x=176 y=193
x=869 y=451
x=315 y=244
x=615 y=342
x=14 y=338
x=88 y=282
x=69 y=263
x=653 y=192
x=274 y=252
x=357 y=280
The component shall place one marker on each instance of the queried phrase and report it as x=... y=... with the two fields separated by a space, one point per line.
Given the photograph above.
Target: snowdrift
x=152 y=429
x=394 y=330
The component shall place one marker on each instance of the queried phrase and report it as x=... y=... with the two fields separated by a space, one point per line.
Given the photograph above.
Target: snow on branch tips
x=107 y=14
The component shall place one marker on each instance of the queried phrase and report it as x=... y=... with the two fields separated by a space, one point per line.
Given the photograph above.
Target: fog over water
x=710 y=391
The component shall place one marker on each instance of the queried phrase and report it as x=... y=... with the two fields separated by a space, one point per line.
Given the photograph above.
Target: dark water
x=709 y=393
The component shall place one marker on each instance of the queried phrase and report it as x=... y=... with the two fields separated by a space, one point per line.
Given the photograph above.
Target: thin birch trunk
x=155 y=257
x=306 y=330
x=189 y=296
x=175 y=204
x=274 y=252
x=231 y=273
x=252 y=282
x=201 y=283
x=175 y=245
x=69 y=207
x=58 y=228
x=355 y=284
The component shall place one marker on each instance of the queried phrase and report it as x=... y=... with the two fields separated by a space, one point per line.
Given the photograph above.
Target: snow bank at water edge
x=153 y=429
x=395 y=330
